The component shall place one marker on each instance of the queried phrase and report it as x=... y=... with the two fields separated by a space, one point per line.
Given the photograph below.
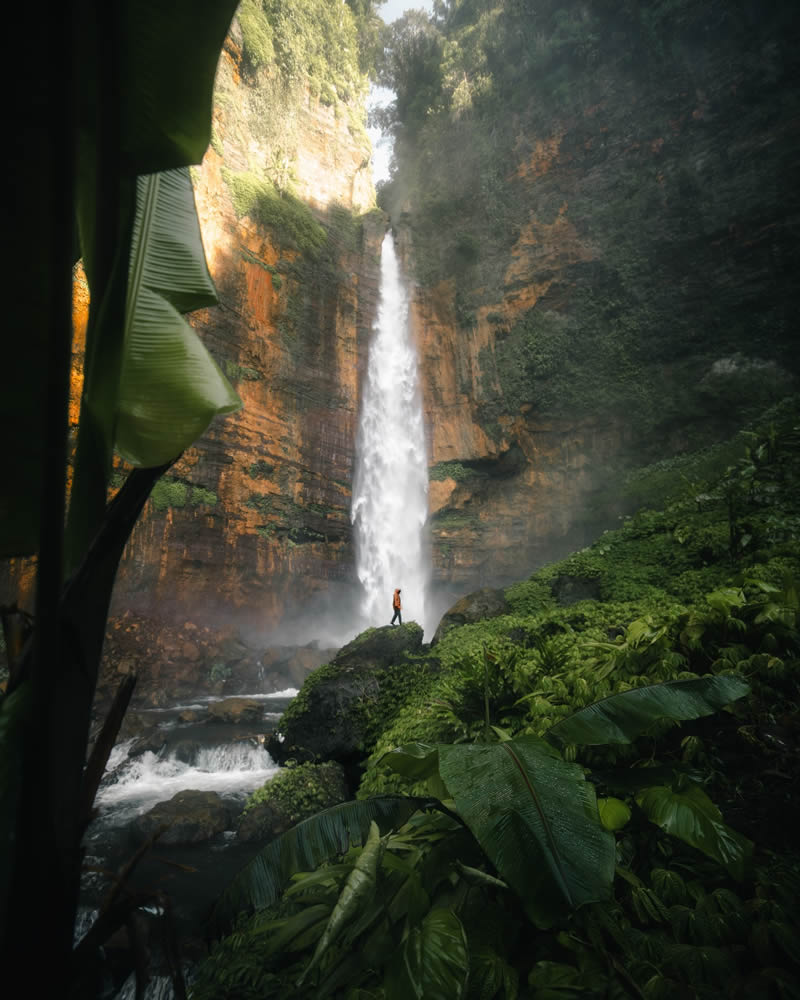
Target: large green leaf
x=690 y=815
x=621 y=718
x=168 y=56
x=433 y=963
x=150 y=386
x=413 y=760
x=304 y=847
x=358 y=890
x=155 y=112
x=420 y=763
x=536 y=818
x=170 y=387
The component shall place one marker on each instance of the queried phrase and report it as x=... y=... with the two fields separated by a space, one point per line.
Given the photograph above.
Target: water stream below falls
x=169 y=757
x=390 y=489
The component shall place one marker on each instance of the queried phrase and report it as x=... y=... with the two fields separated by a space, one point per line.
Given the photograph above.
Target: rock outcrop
x=342 y=706
x=190 y=817
x=485 y=603
x=237 y=710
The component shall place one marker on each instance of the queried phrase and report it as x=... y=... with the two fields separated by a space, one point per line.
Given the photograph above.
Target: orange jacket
x=396 y=599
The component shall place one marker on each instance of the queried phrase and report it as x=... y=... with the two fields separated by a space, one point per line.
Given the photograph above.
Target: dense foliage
x=649 y=683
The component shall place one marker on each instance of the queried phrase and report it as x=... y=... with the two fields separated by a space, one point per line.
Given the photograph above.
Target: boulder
x=485 y=603
x=189 y=715
x=289 y=666
x=191 y=817
x=152 y=740
x=335 y=715
x=379 y=647
x=186 y=751
x=236 y=710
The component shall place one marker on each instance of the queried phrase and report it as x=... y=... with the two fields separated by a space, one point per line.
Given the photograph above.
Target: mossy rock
x=381 y=646
x=474 y=607
x=294 y=794
x=344 y=705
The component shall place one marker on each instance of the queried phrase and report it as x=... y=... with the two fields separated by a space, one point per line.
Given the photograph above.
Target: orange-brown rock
x=263 y=520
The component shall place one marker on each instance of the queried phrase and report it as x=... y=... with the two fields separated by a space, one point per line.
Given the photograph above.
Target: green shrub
x=299 y=790
x=168 y=493
x=200 y=495
x=452 y=470
x=289 y=218
x=260 y=469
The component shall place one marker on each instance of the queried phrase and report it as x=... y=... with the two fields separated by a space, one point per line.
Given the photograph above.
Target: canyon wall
x=598 y=203
x=254 y=518
x=597 y=210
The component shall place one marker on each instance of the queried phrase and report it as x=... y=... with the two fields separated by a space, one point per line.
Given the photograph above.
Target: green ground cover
x=590 y=796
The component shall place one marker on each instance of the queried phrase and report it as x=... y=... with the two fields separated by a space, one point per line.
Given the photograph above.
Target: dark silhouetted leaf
x=623 y=717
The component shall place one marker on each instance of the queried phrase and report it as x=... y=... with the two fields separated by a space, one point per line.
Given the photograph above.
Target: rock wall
x=254 y=518
x=602 y=219
x=604 y=265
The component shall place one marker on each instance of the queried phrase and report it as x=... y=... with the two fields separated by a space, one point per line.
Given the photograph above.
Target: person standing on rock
x=396 y=606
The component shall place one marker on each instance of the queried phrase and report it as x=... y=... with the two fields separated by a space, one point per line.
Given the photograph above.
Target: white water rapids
x=390 y=489
x=210 y=759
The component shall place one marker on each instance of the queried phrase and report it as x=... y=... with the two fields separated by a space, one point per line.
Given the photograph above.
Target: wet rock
x=191 y=817
x=485 y=603
x=236 y=710
x=186 y=751
x=263 y=822
x=152 y=741
x=133 y=725
x=189 y=715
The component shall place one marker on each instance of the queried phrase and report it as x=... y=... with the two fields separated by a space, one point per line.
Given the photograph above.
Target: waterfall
x=390 y=490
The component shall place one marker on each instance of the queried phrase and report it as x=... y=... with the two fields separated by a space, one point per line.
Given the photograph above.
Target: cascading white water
x=233 y=769
x=390 y=491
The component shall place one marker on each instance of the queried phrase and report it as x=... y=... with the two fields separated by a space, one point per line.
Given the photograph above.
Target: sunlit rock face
x=254 y=519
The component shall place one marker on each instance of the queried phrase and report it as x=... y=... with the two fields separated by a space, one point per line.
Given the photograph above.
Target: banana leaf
x=150 y=387
x=358 y=890
x=170 y=387
x=433 y=963
x=413 y=760
x=621 y=718
x=157 y=111
x=325 y=835
x=691 y=816
x=536 y=818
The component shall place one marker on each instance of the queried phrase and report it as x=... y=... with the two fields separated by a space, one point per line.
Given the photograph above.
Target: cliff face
x=598 y=210
x=255 y=517
x=602 y=225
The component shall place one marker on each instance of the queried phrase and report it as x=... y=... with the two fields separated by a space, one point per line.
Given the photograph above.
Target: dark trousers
x=396 y=615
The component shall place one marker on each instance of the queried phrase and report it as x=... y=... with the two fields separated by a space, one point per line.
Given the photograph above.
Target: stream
x=211 y=756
